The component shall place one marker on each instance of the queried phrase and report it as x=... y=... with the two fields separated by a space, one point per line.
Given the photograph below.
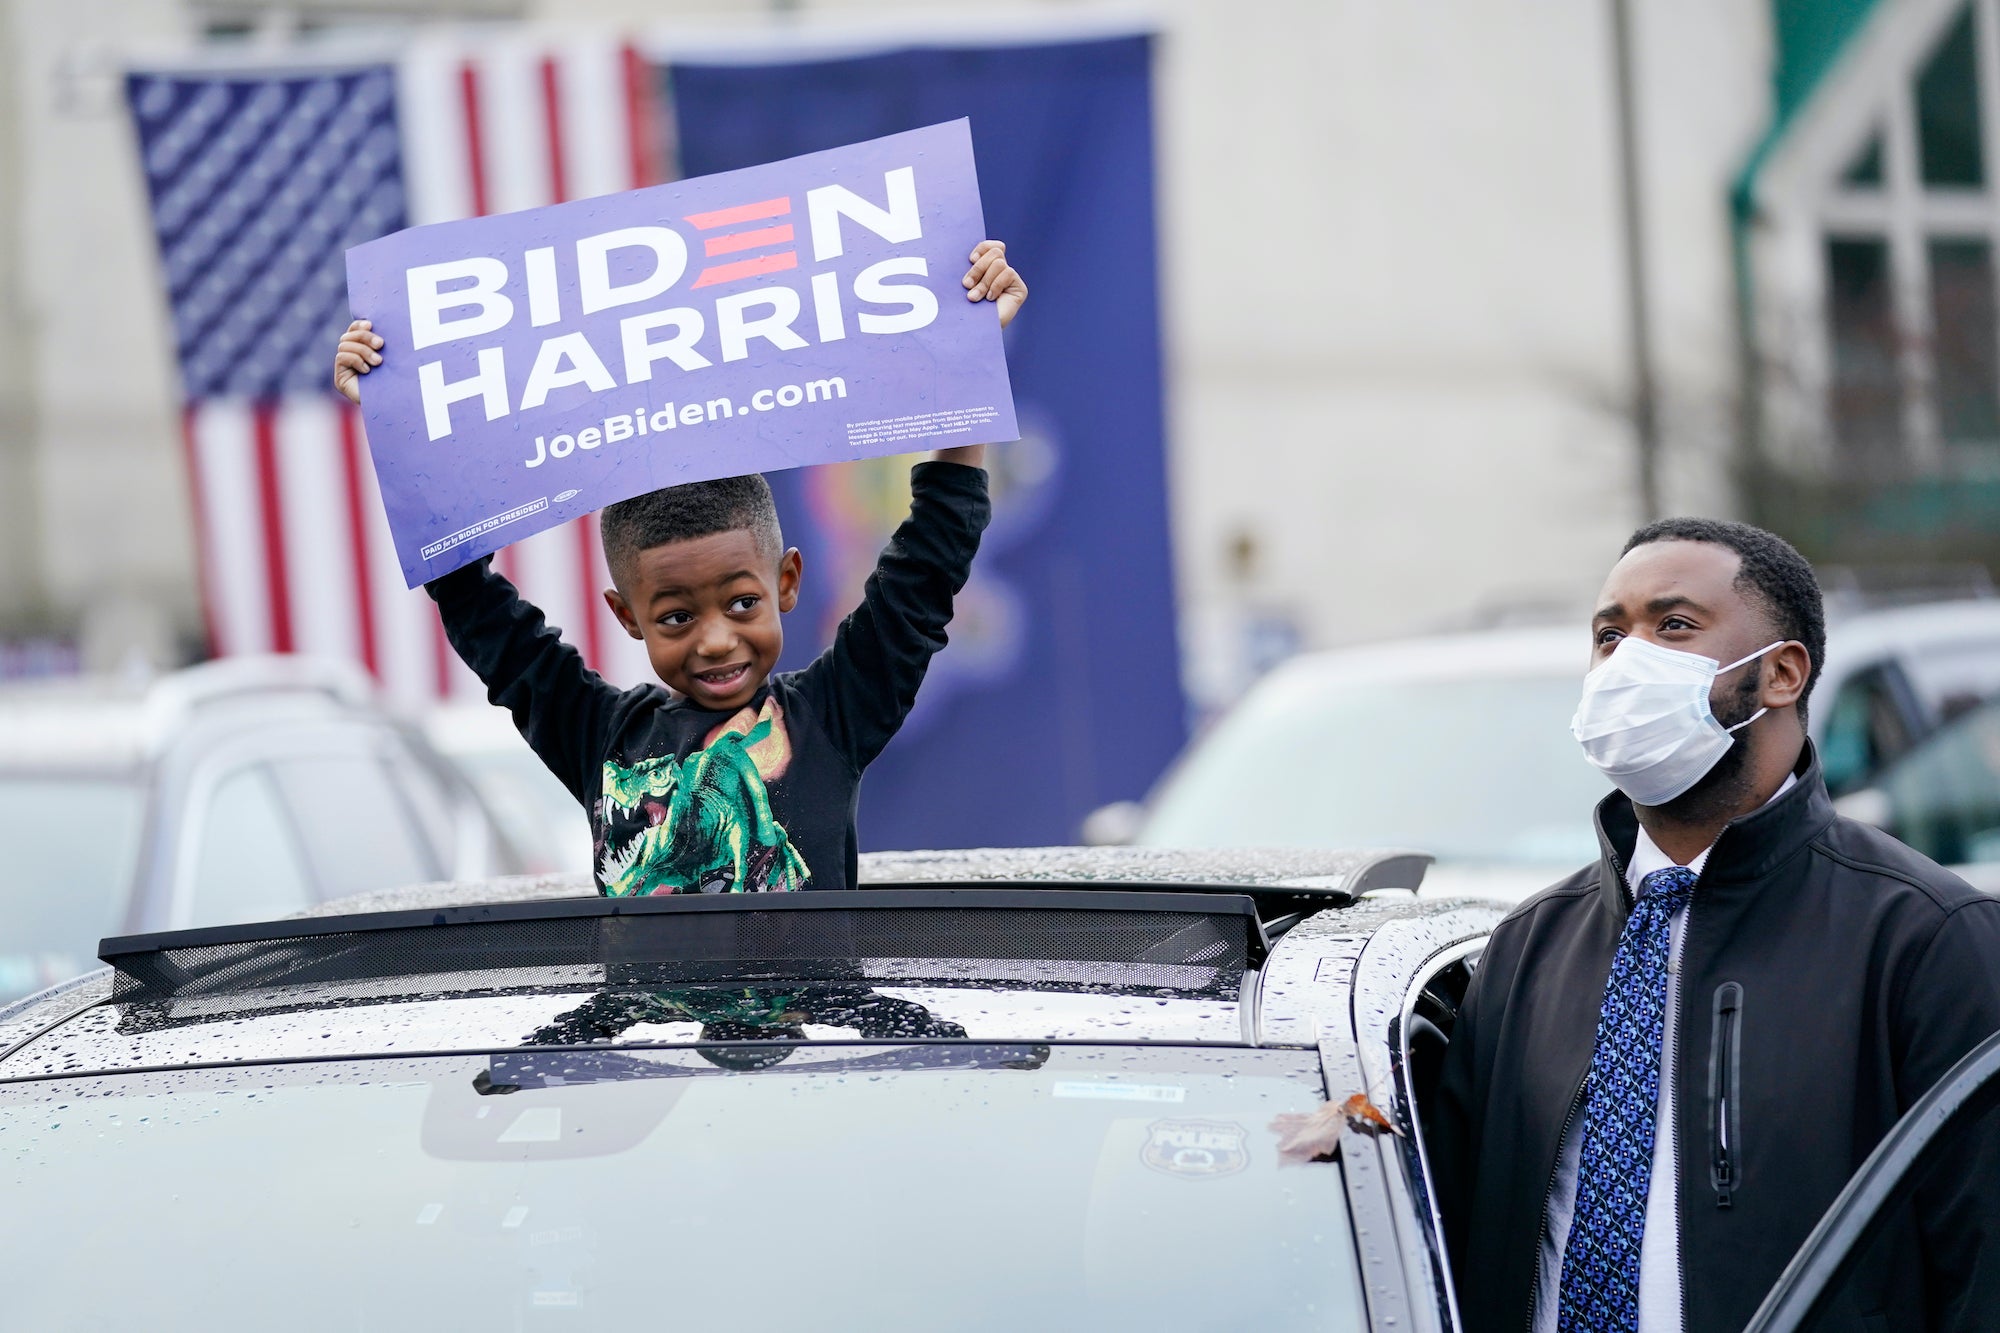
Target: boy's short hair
x=697 y=509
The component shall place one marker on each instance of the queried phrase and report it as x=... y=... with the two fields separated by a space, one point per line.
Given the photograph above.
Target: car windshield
x=849 y=1188
x=1473 y=769
x=71 y=847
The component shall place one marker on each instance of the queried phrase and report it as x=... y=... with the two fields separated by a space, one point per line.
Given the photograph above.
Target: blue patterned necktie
x=1599 y=1292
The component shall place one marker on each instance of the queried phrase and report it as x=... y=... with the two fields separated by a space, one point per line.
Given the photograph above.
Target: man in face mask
x=1669 y=1064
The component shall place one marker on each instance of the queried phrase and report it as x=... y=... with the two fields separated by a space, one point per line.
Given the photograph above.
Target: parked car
x=1062 y=1089
x=233 y=791
x=1942 y=797
x=1896 y=675
x=1460 y=745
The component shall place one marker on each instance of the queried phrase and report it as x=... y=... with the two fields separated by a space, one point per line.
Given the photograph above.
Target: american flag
x=259 y=181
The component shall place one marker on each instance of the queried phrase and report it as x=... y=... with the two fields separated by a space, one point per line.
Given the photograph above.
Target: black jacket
x=675 y=803
x=1829 y=976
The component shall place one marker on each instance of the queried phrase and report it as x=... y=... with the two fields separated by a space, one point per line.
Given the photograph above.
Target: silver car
x=233 y=791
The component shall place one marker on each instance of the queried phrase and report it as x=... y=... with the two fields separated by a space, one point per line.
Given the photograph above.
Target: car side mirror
x=1870 y=805
x=1114 y=825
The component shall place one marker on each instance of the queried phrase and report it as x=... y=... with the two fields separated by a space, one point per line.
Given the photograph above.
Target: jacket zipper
x=1725 y=1094
x=1542 y=1230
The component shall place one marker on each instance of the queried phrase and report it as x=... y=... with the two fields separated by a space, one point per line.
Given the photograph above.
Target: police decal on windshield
x=1196 y=1149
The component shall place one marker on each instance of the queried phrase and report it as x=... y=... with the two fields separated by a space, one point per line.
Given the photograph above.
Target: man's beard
x=1723 y=787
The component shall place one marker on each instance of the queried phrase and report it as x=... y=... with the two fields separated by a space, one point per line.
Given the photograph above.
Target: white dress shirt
x=1659 y=1265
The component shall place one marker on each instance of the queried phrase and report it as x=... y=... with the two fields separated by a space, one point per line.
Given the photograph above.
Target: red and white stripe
x=295 y=550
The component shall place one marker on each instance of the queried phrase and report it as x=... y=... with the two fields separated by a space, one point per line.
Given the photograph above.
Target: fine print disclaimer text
x=919 y=426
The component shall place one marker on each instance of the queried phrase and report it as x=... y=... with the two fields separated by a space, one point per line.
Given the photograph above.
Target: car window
x=426 y=802
x=72 y=851
x=1865 y=728
x=1944 y=796
x=1470 y=769
x=466 y=839
x=1917 y=1218
x=357 y=827
x=856 y=1188
x=248 y=865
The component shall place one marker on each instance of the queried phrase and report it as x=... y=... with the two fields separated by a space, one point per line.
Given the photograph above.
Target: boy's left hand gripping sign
x=540 y=365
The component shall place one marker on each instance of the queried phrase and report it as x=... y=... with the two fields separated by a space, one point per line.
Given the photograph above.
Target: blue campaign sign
x=543 y=364
x=1061 y=688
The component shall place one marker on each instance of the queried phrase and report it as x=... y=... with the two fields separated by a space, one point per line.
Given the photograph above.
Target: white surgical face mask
x=1645 y=721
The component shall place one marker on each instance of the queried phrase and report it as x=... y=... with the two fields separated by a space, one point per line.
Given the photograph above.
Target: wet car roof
x=1272 y=994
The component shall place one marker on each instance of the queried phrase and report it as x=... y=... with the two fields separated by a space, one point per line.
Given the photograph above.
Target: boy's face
x=707 y=609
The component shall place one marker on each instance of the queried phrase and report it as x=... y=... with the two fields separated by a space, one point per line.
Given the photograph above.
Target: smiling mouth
x=723 y=678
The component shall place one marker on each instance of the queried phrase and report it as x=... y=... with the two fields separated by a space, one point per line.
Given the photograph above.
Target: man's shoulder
x=1533 y=954
x=1860 y=849
x=1553 y=911
x=1572 y=892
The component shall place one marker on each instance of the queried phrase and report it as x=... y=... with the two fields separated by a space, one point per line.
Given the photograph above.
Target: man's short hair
x=697 y=509
x=1773 y=571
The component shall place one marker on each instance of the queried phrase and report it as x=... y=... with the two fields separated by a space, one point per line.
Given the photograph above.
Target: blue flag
x=1061 y=689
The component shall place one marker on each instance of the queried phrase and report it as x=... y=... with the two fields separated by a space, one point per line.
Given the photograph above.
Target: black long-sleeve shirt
x=683 y=799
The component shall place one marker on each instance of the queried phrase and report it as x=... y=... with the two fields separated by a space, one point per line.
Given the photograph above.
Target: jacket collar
x=1748 y=850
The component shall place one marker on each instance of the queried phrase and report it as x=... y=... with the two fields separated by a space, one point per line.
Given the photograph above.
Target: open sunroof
x=1187 y=942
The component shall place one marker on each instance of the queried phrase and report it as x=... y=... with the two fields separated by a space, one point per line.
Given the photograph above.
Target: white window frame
x=1804 y=201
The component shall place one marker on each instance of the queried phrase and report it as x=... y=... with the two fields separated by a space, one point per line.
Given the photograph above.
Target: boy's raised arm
x=559 y=705
x=867 y=681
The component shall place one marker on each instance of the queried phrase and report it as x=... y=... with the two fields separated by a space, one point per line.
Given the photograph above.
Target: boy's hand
x=990 y=279
x=359 y=351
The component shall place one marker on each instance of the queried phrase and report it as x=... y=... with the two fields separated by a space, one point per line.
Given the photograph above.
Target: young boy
x=737 y=780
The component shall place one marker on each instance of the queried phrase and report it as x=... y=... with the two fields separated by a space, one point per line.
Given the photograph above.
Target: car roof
x=73 y=723
x=1467 y=655
x=119 y=722
x=1157 y=947
x=1351 y=873
x=1868 y=636
x=1551 y=650
x=473 y=728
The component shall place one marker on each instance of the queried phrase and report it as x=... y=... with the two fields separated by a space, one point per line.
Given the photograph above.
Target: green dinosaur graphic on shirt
x=716 y=832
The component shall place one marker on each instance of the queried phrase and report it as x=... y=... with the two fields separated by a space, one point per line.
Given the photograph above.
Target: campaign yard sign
x=543 y=364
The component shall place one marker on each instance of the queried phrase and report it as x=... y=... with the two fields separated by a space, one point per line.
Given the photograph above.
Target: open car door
x=1935 y=1139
